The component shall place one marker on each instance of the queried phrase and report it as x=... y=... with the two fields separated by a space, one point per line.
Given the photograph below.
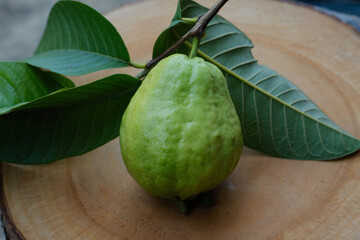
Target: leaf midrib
x=80 y=50
x=20 y=106
x=228 y=71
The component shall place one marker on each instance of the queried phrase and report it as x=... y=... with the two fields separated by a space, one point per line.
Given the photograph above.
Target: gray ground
x=22 y=23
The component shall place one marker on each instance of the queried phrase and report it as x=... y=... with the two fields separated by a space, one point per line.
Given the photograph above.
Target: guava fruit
x=180 y=134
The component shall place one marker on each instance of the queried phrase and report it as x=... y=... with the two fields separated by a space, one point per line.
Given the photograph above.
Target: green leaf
x=66 y=123
x=78 y=40
x=276 y=117
x=21 y=83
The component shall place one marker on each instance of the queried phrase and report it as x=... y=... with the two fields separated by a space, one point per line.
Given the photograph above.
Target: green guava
x=180 y=134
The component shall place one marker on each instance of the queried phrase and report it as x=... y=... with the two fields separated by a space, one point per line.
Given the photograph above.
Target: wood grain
x=93 y=197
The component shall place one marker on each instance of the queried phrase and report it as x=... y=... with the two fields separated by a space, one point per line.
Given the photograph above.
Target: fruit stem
x=195 y=46
x=196 y=31
x=141 y=74
x=181 y=204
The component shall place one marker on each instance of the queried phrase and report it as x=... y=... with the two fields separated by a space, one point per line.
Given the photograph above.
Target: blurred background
x=22 y=21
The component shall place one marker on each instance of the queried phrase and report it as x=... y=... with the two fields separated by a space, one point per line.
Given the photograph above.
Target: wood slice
x=93 y=197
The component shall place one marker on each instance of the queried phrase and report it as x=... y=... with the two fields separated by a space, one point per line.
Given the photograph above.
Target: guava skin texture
x=180 y=134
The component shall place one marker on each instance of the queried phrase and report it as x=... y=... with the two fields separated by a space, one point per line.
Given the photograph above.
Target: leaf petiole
x=137 y=65
x=189 y=20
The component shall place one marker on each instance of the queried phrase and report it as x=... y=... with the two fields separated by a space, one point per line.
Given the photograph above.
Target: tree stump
x=93 y=197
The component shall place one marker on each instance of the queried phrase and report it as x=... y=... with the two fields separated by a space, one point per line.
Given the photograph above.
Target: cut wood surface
x=93 y=197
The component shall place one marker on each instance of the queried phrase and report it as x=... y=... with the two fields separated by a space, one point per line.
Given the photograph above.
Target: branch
x=196 y=31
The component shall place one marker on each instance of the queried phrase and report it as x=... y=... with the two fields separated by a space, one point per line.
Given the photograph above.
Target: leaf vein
x=305 y=136
x=213 y=23
x=188 y=7
x=287 y=132
x=203 y=42
x=257 y=118
x=242 y=64
x=321 y=140
x=228 y=50
x=264 y=79
x=285 y=92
